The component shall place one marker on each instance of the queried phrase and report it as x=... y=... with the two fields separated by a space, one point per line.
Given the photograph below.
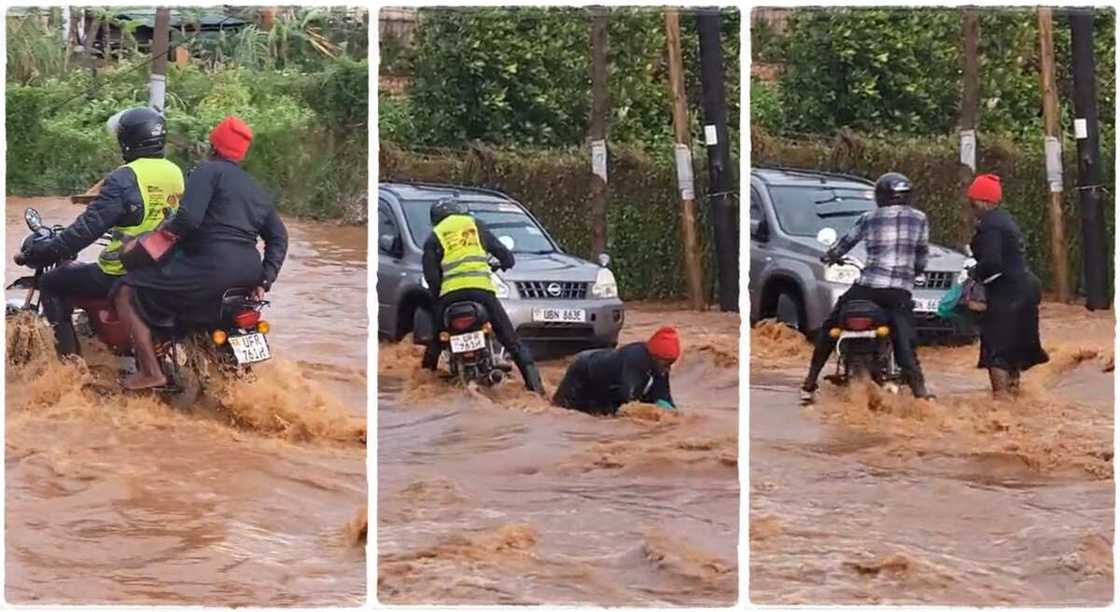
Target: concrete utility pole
x=597 y=134
x=161 y=40
x=720 y=170
x=1094 y=250
x=1059 y=262
x=684 y=162
x=970 y=103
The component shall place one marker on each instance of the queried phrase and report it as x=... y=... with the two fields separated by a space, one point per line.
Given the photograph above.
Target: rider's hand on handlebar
x=258 y=294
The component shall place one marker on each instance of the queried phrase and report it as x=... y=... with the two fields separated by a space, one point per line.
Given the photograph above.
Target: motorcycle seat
x=464 y=309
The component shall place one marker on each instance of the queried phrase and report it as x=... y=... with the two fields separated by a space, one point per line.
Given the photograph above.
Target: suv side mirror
x=388 y=243
x=604 y=260
x=760 y=230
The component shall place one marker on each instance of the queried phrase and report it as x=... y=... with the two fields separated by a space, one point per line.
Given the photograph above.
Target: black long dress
x=1009 y=336
x=223 y=213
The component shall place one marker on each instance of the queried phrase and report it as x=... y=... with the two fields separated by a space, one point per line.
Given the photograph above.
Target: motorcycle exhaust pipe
x=495 y=376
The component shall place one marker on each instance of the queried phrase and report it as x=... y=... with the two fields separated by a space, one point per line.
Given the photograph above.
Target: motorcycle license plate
x=559 y=315
x=926 y=304
x=465 y=343
x=250 y=348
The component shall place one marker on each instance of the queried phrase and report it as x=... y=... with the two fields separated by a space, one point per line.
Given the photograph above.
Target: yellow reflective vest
x=161 y=185
x=466 y=264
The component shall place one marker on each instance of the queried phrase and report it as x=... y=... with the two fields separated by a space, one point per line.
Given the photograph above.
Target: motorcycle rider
x=456 y=268
x=134 y=198
x=897 y=237
x=601 y=381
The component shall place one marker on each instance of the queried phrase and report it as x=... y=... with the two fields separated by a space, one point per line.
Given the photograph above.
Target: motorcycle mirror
x=604 y=260
x=34 y=221
x=827 y=236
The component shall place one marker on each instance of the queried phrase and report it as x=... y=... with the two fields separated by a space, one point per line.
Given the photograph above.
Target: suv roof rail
x=456 y=188
x=809 y=172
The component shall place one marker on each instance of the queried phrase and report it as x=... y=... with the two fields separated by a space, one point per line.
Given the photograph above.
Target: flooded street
x=868 y=498
x=501 y=498
x=259 y=501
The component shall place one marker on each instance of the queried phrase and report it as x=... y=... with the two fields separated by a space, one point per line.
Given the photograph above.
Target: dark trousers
x=83 y=280
x=499 y=320
x=576 y=393
x=899 y=304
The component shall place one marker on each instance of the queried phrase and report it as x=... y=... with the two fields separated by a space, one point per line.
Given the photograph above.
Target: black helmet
x=141 y=132
x=892 y=189
x=445 y=208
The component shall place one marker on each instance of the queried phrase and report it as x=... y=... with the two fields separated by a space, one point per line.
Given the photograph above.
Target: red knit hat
x=986 y=188
x=231 y=138
x=665 y=344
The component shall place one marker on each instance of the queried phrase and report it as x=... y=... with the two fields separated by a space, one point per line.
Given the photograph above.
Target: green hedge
x=932 y=164
x=310 y=130
x=643 y=231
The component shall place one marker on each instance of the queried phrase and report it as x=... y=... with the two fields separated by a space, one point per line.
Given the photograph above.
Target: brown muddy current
x=867 y=497
x=257 y=497
x=496 y=497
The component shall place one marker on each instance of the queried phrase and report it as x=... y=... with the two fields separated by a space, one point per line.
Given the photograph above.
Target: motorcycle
x=191 y=351
x=864 y=347
x=473 y=352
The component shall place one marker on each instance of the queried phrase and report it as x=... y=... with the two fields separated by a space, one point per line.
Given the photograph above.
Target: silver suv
x=794 y=215
x=554 y=299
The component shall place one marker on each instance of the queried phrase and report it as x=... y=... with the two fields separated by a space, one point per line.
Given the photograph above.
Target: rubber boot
x=529 y=371
x=1001 y=382
x=431 y=354
x=59 y=316
x=917 y=384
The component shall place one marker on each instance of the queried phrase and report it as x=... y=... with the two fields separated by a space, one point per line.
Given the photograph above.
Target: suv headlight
x=842 y=274
x=500 y=286
x=605 y=286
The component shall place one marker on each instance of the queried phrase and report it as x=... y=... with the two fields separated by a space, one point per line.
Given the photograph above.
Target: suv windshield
x=804 y=211
x=508 y=222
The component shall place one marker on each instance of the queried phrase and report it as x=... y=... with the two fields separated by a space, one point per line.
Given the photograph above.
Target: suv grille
x=552 y=290
x=939 y=280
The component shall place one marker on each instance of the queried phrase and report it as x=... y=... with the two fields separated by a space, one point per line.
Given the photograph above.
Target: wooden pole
x=1059 y=263
x=970 y=34
x=597 y=134
x=684 y=161
x=161 y=39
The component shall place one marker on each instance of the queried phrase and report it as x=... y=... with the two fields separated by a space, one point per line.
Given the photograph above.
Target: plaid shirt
x=897 y=240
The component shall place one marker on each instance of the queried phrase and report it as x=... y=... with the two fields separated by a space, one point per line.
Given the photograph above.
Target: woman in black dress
x=223 y=213
x=1009 y=340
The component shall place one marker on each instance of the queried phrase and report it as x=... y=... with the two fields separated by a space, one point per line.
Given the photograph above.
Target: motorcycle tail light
x=858 y=323
x=462 y=323
x=246 y=319
x=219 y=337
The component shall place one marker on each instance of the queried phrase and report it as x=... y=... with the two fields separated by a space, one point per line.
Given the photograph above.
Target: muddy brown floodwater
x=257 y=500
x=500 y=498
x=867 y=497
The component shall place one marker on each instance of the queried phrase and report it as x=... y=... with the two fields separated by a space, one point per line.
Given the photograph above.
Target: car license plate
x=465 y=343
x=926 y=304
x=559 y=315
x=250 y=348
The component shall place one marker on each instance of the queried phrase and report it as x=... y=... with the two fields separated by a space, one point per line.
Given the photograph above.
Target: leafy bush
x=898 y=70
x=522 y=76
x=310 y=141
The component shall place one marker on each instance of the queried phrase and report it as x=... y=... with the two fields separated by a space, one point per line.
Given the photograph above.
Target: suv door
x=390 y=269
